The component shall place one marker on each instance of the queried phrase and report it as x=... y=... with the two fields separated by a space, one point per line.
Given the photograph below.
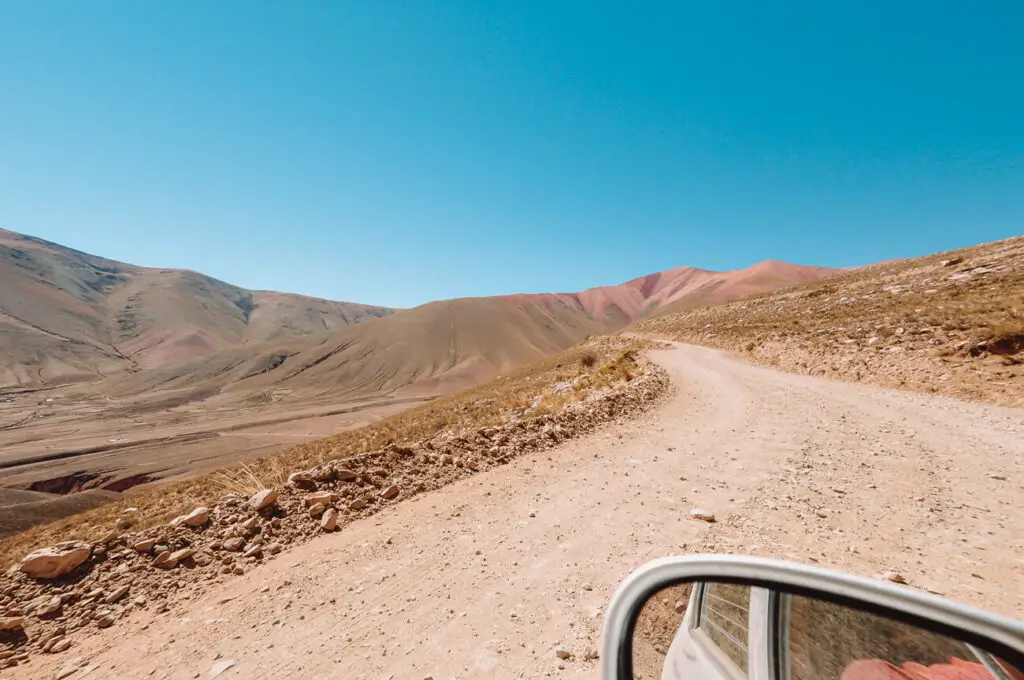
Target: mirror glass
x=726 y=631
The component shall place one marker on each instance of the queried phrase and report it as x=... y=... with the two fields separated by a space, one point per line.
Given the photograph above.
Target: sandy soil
x=482 y=579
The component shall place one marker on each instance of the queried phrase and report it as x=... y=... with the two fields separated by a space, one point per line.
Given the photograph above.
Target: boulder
x=196 y=518
x=329 y=521
x=702 y=514
x=163 y=560
x=323 y=473
x=12 y=622
x=110 y=537
x=321 y=498
x=301 y=479
x=145 y=545
x=116 y=595
x=56 y=561
x=234 y=544
x=49 y=608
x=263 y=499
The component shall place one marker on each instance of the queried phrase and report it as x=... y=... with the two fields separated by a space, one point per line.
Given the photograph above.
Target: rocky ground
x=505 y=573
x=57 y=593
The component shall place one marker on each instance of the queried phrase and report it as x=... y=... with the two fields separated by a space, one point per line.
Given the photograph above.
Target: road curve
x=482 y=579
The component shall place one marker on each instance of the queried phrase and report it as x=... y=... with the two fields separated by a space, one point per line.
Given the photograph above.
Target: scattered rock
x=145 y=545
x=261 y=500
x=221 y=666
x=681 y=606
x=110 y=537
x=50 y=608
x=12 y=622
x=116 y=595
x=1000 y=478
x=57 y=646
x=330 y=520
x=196 y=518
x=301 y=480
x=592 y=654
x=702 y=514
x=895 y=577
x=119 y=583
x=163 y=560
x=315 y=511
x=322 y=498
x=563 y=652
x=234 y=544
x=50 y=563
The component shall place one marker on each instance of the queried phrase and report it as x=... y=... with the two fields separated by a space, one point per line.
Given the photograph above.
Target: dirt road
x=483 y=578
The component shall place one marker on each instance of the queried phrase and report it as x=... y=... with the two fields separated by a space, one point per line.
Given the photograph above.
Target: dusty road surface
x=482 y=579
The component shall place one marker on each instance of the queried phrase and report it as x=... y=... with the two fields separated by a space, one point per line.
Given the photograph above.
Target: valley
x=115 y=378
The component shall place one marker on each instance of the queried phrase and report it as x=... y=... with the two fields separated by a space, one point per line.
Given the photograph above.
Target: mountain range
x=69 y=317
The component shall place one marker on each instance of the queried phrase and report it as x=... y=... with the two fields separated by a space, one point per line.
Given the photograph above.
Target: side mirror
x=727 y=617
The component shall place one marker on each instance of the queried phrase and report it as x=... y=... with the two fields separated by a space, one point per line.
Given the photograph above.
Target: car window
x=724 y=619
x=826 y=641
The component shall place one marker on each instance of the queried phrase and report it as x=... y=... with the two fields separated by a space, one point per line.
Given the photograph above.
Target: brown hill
x=452 y=344
x=683 y=288
x=435 y=348
x=67 y=316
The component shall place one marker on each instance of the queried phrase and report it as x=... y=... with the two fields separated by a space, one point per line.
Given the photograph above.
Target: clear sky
x=398 y=152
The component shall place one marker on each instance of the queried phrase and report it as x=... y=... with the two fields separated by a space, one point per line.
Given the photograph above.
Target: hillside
x=66 y=316
x=950 y=323
x=151 y=375
x=451 y=344
x=437 y=347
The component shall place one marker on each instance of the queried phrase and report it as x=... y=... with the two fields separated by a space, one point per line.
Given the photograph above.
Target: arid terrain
x=473 y=534
x=114 y=376
x=484 y=577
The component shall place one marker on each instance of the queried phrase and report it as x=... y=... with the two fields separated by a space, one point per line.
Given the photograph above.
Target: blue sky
x=395 y=153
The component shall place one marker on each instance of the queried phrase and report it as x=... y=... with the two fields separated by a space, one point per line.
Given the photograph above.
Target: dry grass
x=950 y=323
x=529 y=391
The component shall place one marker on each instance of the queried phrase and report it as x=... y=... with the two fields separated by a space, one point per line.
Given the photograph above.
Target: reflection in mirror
x=723 y=631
